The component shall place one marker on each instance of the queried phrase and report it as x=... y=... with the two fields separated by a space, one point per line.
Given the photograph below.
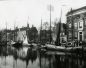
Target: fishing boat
x=71 y=49
x=11 y=42
x=59 y=45
x=17 y=44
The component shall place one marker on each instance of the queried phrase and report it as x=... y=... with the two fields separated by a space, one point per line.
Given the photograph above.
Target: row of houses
x=73 y=30
x=18 y=34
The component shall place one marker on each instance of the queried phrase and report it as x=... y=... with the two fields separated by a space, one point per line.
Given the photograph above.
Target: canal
x=32 y=58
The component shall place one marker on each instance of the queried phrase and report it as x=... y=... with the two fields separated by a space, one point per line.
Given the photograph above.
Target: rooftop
x=75 y=10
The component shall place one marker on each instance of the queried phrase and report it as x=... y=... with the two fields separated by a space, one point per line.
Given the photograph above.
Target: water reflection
x=3 y=51
x=32 y=58
x=23 y=55
x=26 y=54
x=56 y=60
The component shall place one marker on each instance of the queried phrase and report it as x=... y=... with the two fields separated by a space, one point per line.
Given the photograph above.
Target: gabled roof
x=23 y=28
x=72 y=11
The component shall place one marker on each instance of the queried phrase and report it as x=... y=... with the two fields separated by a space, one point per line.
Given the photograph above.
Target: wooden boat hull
x=17 y=45
x=67 y=49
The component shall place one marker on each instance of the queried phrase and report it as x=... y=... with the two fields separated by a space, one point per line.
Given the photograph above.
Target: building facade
x=21 y=34
x=76 y=22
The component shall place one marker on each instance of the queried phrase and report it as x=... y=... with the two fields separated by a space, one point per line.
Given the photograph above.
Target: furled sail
x=58 y=34
x=25 y=40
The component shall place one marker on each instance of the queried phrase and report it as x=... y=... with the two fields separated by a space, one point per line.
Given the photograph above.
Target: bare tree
x=46 y=25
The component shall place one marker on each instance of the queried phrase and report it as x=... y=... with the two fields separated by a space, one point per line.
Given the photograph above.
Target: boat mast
x=50 y=24
x=72 y=24
x=6 y=33
x=60 y=27
x=27 y=30
x=14 y=31
x=59 y=31
x=41 y=31
x=50 y=9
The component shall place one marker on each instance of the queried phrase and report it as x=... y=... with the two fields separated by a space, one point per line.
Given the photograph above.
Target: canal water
x=32 y=58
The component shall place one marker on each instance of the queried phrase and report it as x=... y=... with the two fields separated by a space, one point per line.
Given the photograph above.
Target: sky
x=21 y=12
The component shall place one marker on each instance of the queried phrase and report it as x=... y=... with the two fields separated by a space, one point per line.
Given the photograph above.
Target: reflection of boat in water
x=32 y=54
x=22 y=52
x=26 y=53
x=3 y=51
x=3 y=43
x=61 y=60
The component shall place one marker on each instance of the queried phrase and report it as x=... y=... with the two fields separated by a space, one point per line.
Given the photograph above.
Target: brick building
x=76 y=21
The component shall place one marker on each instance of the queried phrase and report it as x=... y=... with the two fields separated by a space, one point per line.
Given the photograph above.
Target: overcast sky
x=21 y=11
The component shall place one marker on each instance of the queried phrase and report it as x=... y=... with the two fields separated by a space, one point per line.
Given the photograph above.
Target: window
x=80 y=24
x=80 y=36
x=80 y=33
x=70 y=34
x=85 y=21
x=70 y=25
x=75 y=25
x=76 y=35
x=85 y=34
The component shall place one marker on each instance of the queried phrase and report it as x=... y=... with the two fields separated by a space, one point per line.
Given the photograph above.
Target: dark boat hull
x=17 y=45
x=79 y=50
